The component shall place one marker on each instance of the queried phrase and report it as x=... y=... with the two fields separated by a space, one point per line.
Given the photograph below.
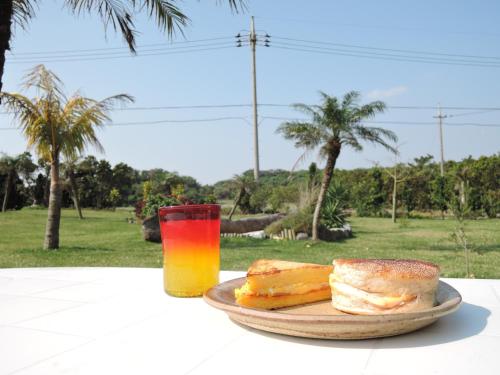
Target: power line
x=121 y=57
x=119 y=53
x=126 y=49
x=477 y=110
x=417 y=52
x=378 y=57
x=394 y=122
x=245 y=119
x=391 y=55
x=158 y=122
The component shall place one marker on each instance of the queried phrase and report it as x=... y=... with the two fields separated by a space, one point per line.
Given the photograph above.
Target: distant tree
x=104 y=180
x=124 y=179
x=440 y=194
x=12 y=166
x=69 y=167
x=55 y=125
x=335 y=123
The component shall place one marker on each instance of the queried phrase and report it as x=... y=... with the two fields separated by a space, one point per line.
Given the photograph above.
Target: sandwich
x=383 y=286
x=272 y=284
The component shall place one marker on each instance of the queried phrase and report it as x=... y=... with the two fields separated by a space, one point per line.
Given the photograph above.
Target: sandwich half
x=272 y=284
x=383 y=286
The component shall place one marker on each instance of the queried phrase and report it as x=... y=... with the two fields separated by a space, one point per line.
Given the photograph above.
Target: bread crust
x=392 y=268
x=273 y=266
x=414 y=281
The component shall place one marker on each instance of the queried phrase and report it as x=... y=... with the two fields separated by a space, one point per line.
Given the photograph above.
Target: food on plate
x=383 y=286
x=272 y=284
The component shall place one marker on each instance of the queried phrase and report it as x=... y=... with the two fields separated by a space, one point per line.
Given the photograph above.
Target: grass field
x=105 y=238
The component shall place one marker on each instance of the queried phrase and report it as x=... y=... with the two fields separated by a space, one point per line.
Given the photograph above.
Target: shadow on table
x=468 y=321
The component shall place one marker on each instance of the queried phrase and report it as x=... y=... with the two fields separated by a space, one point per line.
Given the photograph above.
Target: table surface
x=119 y=321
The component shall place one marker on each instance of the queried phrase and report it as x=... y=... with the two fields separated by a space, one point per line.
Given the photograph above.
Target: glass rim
x=184 y=207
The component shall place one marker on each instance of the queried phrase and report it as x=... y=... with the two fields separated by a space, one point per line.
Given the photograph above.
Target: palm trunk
x=46 y=188
x=236 y=203
x=6 y=12
x=8 y=188
x=54 y=215
x=394 y=192
x=325 y=183
x=75 y=194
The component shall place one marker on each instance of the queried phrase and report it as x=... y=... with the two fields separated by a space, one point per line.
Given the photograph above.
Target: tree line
x=99 y=185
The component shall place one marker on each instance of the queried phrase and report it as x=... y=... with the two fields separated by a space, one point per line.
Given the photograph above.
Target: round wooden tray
x=321 y=320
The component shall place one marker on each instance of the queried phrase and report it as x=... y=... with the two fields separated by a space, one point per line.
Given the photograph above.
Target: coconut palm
x=56 y=126
x=119 y=14
x=13 y=166
x=335 y=124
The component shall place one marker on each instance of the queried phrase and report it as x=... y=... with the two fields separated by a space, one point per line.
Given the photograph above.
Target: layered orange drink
x=191 y=256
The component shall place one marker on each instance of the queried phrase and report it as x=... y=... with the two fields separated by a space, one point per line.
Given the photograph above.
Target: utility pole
x=253 y=44
x=440 y=118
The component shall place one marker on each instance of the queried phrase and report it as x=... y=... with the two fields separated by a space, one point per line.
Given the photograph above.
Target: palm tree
x=335 y=123
x=12 y=166
x=243 y=184
x=119 y=14
x=56 y=126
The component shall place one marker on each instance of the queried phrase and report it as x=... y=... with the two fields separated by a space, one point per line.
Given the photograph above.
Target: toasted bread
x=273 y=284
x=383 y=286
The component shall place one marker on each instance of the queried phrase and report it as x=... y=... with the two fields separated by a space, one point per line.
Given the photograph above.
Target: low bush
x=300 y=221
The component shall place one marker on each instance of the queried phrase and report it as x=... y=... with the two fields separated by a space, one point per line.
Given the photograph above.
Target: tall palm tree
x=335 y=123
x=56 y=126
x=119 y=14
x=12 y=166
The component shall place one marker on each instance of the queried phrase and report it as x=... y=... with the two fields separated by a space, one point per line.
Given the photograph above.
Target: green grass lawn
x=105 y=238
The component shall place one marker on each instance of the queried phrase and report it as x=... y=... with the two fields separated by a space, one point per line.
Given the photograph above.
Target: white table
x=119 y=321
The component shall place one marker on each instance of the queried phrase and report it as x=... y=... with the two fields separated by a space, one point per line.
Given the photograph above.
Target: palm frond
x=236 y=5
x=349 y=139
x=303 y=157
x=167 y=15
x=311 y=110
x=307 y=135
x=44 y=81
x=377 y=136
x=350 y=99
x=81 y=116
x=23 y=11
x=113 y=13
x=368 y=110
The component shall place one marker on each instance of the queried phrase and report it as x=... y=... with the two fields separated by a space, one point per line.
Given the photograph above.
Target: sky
x=311 y=50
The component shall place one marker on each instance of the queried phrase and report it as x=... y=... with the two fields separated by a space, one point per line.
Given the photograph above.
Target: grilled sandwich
x=272 y=284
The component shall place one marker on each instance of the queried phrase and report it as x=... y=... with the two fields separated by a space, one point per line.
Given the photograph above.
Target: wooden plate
x=321 y=320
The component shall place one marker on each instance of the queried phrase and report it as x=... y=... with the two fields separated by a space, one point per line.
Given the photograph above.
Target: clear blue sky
x=215 y=150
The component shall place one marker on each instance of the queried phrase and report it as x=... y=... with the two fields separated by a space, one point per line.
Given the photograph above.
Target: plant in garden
x=154 y=202
x=56 y=126
x=114 y=197
x=461 y=210
x=332 y=213
x=335 y=123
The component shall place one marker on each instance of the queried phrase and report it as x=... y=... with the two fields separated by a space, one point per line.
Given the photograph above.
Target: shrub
x=154 y=202
x=300 y=221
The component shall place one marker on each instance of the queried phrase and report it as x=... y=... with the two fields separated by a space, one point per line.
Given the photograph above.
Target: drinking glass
x=191 y=255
